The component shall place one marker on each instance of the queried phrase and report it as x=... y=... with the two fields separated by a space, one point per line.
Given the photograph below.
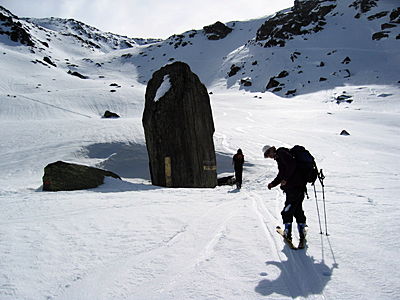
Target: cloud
x=150 y=18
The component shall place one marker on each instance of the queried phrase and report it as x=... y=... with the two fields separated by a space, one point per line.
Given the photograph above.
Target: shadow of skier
x=300 y=276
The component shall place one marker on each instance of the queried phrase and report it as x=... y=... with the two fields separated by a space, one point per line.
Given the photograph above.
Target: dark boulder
x=283 y=74
x=346 y=61
x=378 y=15
x=380 y=35
x=344 y=98
x=49 y=61
x=246 y=82
x=227 y=180
x=395 y=15
x=272 y=83
x=388 y=26
x=217 y=31
x=77 y=74
x=62 y=176
x=234 y=70
x=110 y=115
x=291 y=93
x=179 y=128
x=344 y=132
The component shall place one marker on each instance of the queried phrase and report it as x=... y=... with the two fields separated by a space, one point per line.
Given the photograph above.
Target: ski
x=287 y=241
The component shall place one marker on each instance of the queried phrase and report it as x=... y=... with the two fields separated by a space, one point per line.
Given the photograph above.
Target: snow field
x=130 y=240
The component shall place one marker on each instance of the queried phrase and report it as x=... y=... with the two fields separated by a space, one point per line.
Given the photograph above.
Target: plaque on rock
x=179 y=128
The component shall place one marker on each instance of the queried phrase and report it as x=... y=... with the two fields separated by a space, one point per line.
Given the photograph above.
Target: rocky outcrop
x=217 y=31
x=304 y=18
x=9 y=25
x=364 y=6
x=62 y=176
x=179 y=129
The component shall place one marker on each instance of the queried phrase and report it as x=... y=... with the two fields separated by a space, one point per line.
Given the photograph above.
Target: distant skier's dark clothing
x=292 y=183
x=238 y=161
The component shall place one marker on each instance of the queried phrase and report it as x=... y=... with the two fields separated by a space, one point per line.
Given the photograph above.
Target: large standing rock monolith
x=179 y=129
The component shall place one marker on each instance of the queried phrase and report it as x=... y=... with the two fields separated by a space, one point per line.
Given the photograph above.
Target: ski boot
x=288 y=231
x=302 y=227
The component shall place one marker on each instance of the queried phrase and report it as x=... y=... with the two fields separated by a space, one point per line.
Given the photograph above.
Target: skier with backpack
x=296 y=168
x=238 y=161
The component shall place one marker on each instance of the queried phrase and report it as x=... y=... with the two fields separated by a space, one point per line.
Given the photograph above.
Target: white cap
x=265 y=148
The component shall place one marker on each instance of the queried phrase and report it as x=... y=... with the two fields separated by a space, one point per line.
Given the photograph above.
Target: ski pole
x=316 y=202
x=321 y=179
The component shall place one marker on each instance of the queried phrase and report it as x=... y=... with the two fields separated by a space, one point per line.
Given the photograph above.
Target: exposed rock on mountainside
x=305 y=17
x=179 y=129
x=49 y=61
x=233 y=71
x=364 y=5
x=77 y=74
x=217 y=31
x=13 y=28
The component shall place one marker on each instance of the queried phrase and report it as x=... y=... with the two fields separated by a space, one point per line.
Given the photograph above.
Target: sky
x=147 y=18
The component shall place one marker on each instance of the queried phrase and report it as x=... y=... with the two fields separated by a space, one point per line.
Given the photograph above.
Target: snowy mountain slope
x=99 y=39
x=131 y=240
x=315 y=45
x=330 y=48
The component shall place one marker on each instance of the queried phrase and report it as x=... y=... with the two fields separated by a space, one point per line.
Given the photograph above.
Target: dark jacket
x=287 y=170
x=238 y=161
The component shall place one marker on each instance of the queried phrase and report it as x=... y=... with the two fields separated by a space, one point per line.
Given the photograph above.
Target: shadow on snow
x=300 y=276
x=130 y=161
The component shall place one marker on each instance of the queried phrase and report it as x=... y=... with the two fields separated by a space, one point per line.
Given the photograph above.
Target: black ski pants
x=294 y=205
x=238 y=175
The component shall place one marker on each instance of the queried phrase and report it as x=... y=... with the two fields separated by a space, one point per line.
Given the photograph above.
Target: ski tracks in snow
x=299 y=273
x=155 y=271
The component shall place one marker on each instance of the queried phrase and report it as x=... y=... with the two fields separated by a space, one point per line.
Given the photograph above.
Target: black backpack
x=305 y=163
